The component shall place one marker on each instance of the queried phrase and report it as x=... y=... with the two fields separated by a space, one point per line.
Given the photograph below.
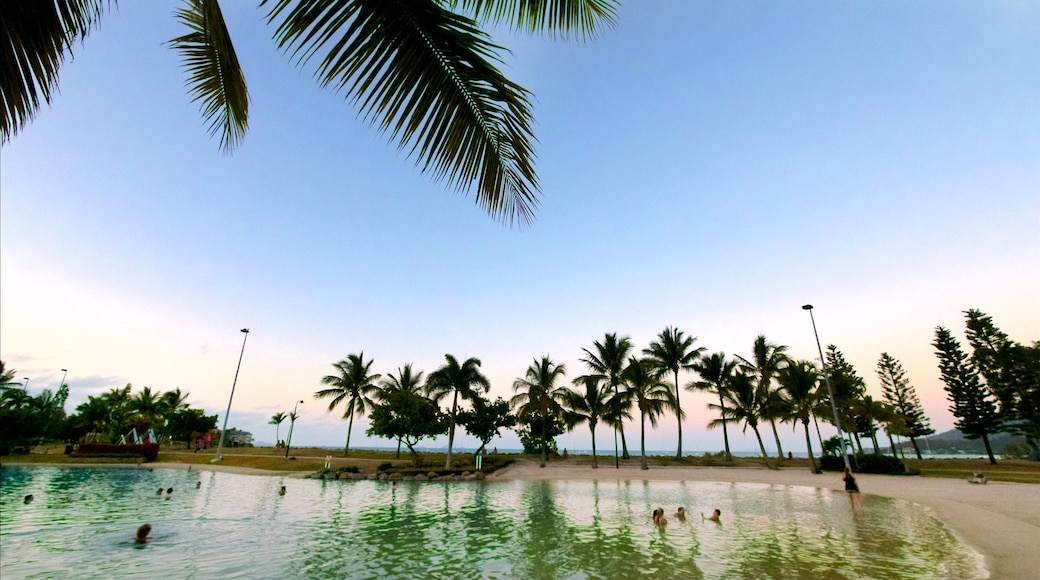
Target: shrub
x=1016 y=451
x=147 y=450
x=865 y=464
x=385 y=466
x=349 y=469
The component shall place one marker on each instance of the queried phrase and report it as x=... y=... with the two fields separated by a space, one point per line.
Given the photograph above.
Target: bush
x=1016 y=451
x=864 y=463
x=349 y=469
x=385 y=466
x=149 y=451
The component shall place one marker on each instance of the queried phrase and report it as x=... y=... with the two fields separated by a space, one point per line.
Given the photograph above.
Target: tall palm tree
x=870 y=413
x=422 y=71
x=766 y=360
x=277 y=419
x=353 y=383
x=650 y=395
x=538 y=394
x=745 y=400
x=799 y=384
x=459 y=380
x=673 y=350
x=588 y=404
x=609 y=360
x=147 y=406
x=715 y=372
x=406 y=381
x=7 y=376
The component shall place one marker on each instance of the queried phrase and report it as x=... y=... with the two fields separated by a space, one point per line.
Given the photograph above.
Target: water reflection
x=82 y=524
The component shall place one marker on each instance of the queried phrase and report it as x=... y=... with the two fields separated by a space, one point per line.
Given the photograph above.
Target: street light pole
x=25 y=386
x=830 y=391
x=292 y=422
x=66 y=371
x=223 y=431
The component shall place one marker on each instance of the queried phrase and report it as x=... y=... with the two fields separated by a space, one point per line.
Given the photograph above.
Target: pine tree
x=1012 y=373
x=899 y=393
x=849 y=389
x=972 y=404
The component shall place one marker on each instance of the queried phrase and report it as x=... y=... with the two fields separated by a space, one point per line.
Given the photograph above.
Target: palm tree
x=609 y=360
x=715 y=372
x=673 y=350
x=767 y=359
x=459 y=380
x=745 y=400
x=422 y=71
x=352 y=383
x=650 y=395
x=538 y=394
x=589 y=404
x=147 y=407
x=277 y=420
x=869 y=413
x=799 y=383
x=406 y=381
x=7 y=376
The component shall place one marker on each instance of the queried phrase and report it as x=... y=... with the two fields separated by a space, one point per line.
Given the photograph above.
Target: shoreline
x=999 y=520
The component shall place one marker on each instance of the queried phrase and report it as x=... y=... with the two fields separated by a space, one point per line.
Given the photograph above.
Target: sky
x=711 y=166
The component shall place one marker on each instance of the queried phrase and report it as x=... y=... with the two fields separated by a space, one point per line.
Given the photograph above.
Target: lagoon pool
x=82 y=523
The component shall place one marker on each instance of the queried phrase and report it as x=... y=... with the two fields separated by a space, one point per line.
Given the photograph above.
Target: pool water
x=83 y=520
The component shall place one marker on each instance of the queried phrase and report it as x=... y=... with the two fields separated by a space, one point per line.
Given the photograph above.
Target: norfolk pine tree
x=899 y=393
x=972 y=402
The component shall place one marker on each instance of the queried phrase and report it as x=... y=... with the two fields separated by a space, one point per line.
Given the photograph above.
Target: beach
x=1000 y=520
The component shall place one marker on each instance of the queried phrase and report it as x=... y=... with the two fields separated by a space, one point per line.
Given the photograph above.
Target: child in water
x=142 y=533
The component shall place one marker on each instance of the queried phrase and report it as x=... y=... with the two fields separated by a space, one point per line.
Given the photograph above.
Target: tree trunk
x=762 y=446
x=893 y=444
x=808 y=446
x=350 y=426
x=678 y=416
x=642 y=440
x=725 y=433
x=917 y=449
x=592 y=430
x=451 y=428
x=544 y=442
x=819 y=435
x=989 y=450
x=776 y=435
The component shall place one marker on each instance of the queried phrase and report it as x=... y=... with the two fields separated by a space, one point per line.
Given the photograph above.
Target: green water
x=82 y=523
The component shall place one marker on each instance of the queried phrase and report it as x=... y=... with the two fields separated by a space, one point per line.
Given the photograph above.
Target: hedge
x=149 y=451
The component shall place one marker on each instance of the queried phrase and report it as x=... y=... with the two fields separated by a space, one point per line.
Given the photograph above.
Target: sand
x=999 y=520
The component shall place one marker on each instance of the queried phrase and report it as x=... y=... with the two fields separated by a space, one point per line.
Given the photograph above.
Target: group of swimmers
x=680 y=514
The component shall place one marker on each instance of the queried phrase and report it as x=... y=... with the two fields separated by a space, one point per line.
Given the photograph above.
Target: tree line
x=106 y=418
x=622 y=386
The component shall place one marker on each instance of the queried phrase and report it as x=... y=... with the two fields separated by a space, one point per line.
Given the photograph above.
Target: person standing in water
x=851 y=488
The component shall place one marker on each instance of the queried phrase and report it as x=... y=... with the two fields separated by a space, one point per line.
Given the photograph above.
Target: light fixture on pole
x=223 y=431
x=292 y=422
x=25 y=385
x=830 y=391
x=66 y=371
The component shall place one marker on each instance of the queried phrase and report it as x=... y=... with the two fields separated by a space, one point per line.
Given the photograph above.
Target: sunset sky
x=706 y=165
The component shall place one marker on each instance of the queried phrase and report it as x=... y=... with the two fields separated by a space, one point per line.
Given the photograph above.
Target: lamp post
x=223 y=431
x=66 y=371
x=830 y=391
x=25 y=386
x=292 y=422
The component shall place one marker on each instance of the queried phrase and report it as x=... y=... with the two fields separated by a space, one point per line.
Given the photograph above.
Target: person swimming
x=158 y=491
x=29 y=498
x=198 y=484
x=680 y=514
x=659 y=518
x=714 y=517
x=142 y=533
x=281 y=491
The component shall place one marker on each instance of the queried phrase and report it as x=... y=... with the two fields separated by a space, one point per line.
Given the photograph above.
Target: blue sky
x=707 y=165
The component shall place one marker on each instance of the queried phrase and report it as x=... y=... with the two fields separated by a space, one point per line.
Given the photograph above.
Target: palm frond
x=215 y=79
x=35 y=39
x=555 y=17
x=424 y=76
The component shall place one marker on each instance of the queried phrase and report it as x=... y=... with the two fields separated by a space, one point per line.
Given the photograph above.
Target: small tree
x=971 y=402
x=910 y=420
x=486 y=420
x=409 y=417
x=277 y=420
